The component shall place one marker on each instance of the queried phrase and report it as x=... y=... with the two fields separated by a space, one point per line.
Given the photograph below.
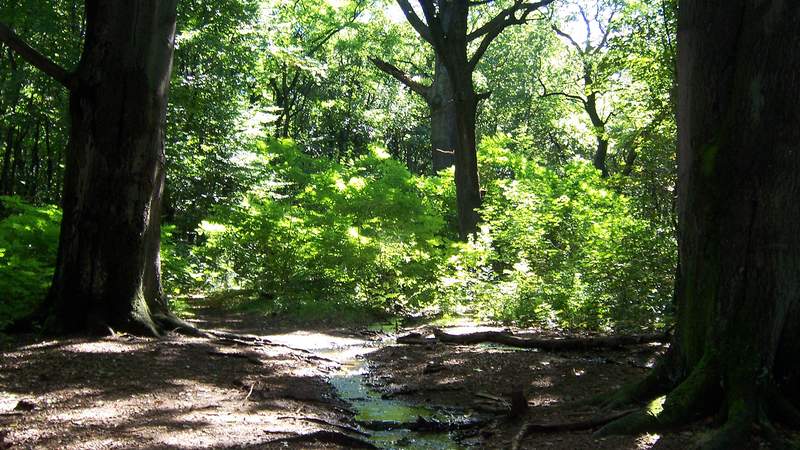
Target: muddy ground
x=188 y=392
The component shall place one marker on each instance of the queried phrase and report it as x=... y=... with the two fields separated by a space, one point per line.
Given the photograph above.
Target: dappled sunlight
x=104 y=346
x=647 y=441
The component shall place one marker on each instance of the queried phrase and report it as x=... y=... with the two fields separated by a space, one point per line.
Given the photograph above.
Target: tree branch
x=572 y=97
x=399 y=75
x=569 y=38
x=416 y=23
x=36 y=59
x=506 y=18
x=436 y=33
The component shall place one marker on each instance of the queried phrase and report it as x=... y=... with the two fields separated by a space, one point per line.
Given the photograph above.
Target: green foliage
x=317 y=238
x=562 y=248
x=316 y=232
x=28 y=245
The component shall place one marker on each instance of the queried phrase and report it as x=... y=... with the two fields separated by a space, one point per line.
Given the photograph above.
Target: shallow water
x=351 y=384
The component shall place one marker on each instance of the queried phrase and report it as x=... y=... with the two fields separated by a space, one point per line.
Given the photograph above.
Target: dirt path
x=188 y=393
x=177 y=392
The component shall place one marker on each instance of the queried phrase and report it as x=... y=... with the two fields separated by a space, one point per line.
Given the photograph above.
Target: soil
x=183 y=392
x=482 y=378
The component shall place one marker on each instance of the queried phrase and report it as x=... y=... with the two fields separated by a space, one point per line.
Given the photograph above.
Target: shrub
x=562 y=248
x=28 y=247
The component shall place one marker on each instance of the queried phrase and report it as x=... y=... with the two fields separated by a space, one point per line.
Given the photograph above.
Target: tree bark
x=441 y=104
x=33 y=175
x=108 y=268
x=601 y=153
x=444 y=130
x=736 y=343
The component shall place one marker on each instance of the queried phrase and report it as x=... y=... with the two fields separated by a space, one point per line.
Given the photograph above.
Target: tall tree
x=738 y=327
x=593 y=60
x=447 y=28
x=108 y=268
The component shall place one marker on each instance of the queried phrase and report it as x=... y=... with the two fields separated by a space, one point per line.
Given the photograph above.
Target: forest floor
x=273 y=389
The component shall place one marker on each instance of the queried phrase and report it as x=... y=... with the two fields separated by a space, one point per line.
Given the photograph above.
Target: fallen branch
x=588 y=424
x=421 y=424
x=249 y=393
x=408 y=390
x=325 y=423
x=563 y=344
x=250 y=358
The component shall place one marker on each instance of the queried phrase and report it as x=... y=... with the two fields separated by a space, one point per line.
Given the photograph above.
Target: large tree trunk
x=468 y=194
x=454 y=57
x=108 y=274
x=738 y=329
x=444 y=127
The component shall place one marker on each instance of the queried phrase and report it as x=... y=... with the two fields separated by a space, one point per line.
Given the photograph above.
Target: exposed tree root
x=250 y=358
x=589 y=424
x=697 y=394
x=565 y=344
x=660 y=380
x=330 y=437
x=318 y=421
x=171 y=322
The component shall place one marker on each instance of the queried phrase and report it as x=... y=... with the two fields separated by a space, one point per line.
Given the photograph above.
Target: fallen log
x=555 y=344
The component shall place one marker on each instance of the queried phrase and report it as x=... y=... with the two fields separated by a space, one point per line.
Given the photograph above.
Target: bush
x=562 y=248
x=556 y=248
x=28 y=250
x=365 y=232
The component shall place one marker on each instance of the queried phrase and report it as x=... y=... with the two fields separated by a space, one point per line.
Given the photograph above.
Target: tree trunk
x=452 y=51
x=444 y=129
x=601 y=152
x=33 y=175
x=468 y=191
x=17 y=167
x=738 y=328
x=5 y=179
x=108 y=269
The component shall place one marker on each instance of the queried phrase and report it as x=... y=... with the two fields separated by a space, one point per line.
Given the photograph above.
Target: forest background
x=300 y=175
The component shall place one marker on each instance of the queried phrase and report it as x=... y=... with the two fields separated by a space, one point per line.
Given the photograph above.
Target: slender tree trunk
x=108 y=274
x=33 y=176
x=599 y=160
x=50 y=160
x=17 y=166
x=444 y=122
x=738 y=294
x=5 y=181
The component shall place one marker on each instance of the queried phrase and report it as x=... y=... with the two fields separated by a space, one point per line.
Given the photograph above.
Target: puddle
x=351 y=384
x=381 y=418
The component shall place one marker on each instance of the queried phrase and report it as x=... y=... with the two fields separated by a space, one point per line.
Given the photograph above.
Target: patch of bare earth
x=176 y=393
x=480 y=378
